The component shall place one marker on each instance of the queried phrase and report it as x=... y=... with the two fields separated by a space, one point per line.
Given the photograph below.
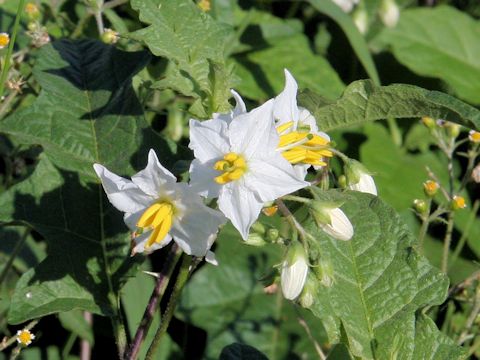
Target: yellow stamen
x=158 y=217
x=303 y=147
x=286 y=126
x=233 y=166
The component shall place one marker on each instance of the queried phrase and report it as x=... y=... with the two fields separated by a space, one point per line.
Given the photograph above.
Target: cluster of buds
x=261 y=235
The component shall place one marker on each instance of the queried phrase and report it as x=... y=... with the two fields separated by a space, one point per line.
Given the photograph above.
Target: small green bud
x=32 y=11
x=324 y=272
x=342 y=181
x=429 y=122
x=458 y=202
x=309 y=292
x=272 y=235
x=420 y=206
x=259 y=228
x=110 y=36
x=255 y=239
x=430 y=188
x=453 y=130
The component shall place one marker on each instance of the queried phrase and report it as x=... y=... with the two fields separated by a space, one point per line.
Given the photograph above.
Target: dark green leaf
x=364 y=102
x=241 y=352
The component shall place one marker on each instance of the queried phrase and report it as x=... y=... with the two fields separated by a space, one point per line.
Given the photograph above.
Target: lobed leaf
x=87 y=112
x=380 y=283
x=439 y=42
x=364 y=102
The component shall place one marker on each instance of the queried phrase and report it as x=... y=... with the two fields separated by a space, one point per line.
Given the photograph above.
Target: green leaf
x=380 y=283
x=364 y=102
x=179 y=31
x=355 y=38
x=87 y=112
x=248 y=315
x=261 y=72
x=241 y=352
x=440 y=42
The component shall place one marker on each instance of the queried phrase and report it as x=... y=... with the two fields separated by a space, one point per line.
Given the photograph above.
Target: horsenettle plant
x=136 y=185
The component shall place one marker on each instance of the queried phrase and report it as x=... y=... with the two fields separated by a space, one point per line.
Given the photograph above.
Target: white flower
x=158 y=208
x=346 y=5
x=339 y=226
x=300 y=141
x=235 y=160
x=389 y=13
x=294 y=272
x=4 y=40
x=25 y=337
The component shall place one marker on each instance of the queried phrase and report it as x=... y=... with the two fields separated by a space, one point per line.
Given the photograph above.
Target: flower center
x=25 y=337
x=4 y=40
x=158 y=217
x=233 y=166
x=301 y=146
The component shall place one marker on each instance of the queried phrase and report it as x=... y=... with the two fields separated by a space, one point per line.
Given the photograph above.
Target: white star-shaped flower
x=301 y=143
x=236 y=160
x=157 y=209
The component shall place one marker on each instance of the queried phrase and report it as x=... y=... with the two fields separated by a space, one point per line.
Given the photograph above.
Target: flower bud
x=110 y=36
x=205 y=5
x=429 y=122
x=430 y=188
x=324 y=272
x=420 y=206
x=474 y=136
x=255 y=239
x=294 y=271
x=32 y=11
x=458 y=202
x=4 y=40
x=331 y=220
x=360 y=18
x=389 y=13
x=342 y=182
x=453 y=130
x=358 y=177
x=309 y=293
x=346 y=5
x=476 y=173
x=272 y=235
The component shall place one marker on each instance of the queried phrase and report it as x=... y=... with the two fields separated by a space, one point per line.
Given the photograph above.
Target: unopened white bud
x=339 y=227
x=389 y=13
x=294 y=272
x=360 y=18
x=346 y=5
x=359 y=178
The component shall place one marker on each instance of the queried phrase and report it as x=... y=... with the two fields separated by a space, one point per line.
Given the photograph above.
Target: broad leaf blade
x=380 y=282
x=179 y=31
x=363 y=102
x=87 y=112
x=440 y=42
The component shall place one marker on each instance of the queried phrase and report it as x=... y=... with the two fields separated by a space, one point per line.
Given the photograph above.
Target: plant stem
x=296 y=198
x=447 y=241
x=394 y=131
x=68 y=346
x=158 y=291
x=463 y=239
x=120 y=333
x=13 y=255
x=172 y=303
x=424 y=227
x=471 y=319
x=85 y=347
x=113 y=3
x=6 y=67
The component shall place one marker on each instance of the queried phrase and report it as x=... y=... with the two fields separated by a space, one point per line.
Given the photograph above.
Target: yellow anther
x=303 y=146
x=158 y=217
x=233 y=167
x=286 y=126
x=148 y=216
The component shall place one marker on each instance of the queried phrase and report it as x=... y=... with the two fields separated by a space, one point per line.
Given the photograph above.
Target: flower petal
x=196 y=231
x=211 y=258
x=240 y=205
x=122 y=193
x=154 y=176
x=202 y=178
x=340 y=226
x=366 y=184
x=254 y=132
x=285 y=106
x=272 y=178
x=142 y=240
x=208 y=139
